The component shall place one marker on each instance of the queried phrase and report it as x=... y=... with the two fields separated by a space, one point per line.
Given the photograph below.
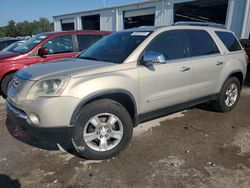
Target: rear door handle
x=184 y=69
x=219 y=63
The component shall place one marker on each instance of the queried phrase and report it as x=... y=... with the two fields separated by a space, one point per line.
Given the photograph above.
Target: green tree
x=2 y=32
x=26 y=28
x=10 y=29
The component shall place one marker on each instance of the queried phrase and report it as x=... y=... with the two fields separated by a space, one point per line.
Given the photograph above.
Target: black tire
x=5 y=83
x=220 y=104
x=89 y=111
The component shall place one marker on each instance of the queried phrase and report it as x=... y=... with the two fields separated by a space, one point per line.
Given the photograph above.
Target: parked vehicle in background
x=127 y=78
x=246 y=45
x=7 y=42
x=23 y=37
x=43 y=48
x=11 y=47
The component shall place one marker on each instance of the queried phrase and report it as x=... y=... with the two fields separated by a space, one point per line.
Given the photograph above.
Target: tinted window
x=229 y=41
x=171 y=44
x=200 y=43
x=60 y=44
x=85 y=41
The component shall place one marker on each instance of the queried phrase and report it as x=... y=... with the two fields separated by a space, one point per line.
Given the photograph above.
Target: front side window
x=200 y=43
x=171 y=44
x=115 y=48
x=60 y=44
x=229 y=41
x=85 y=41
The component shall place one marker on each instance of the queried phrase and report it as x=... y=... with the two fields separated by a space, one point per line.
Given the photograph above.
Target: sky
x=20 y=10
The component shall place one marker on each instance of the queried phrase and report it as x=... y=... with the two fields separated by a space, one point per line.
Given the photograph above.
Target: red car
x=42 y=48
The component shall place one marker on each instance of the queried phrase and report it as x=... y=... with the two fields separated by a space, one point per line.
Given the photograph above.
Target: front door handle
x=219 y=63
x=184 y=69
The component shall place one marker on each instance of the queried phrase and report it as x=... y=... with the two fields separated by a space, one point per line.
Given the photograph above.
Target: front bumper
x=48 y=111
x=18 y=118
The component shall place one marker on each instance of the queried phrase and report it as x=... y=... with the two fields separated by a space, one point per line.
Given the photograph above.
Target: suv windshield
x=115 y=48
x=31 y=43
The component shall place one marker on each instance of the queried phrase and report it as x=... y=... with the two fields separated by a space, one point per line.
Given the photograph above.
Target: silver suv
x=127 y=78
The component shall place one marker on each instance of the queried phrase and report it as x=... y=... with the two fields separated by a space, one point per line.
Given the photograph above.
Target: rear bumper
x=18 y=118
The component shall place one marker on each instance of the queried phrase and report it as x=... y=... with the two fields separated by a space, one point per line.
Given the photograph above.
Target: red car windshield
x=29 y=44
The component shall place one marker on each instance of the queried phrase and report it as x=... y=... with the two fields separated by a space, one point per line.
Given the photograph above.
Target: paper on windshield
x=140 y=33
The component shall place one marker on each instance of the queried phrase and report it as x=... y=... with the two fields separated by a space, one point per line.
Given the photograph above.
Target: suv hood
x=5 y=55
x=64 y=67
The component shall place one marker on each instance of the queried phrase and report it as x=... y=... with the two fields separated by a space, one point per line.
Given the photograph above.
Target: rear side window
x=172 y=44
x=85 y=41
x=229 y=41
x=200 y=43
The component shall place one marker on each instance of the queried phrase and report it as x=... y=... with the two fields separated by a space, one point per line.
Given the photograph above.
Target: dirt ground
x=193 y=148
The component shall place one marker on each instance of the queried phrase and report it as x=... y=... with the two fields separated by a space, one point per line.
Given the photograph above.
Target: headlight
x=48 y=87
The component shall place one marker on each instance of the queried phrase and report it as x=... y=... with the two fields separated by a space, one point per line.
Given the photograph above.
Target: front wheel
x=103 y=129
x=5 y=84
x=229 y=95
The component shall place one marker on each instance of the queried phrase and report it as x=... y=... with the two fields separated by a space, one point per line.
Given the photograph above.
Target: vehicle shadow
x=7 y=182
x=28 y=137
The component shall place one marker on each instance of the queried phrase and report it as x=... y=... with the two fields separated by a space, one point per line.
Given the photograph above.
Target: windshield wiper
x=90 y=58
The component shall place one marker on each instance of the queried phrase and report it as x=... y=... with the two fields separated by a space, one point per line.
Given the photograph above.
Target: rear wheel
x=229 y=95
x=5 y=83
x=103 y=129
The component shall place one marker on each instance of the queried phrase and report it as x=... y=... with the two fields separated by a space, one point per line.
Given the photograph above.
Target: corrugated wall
x=111 y=19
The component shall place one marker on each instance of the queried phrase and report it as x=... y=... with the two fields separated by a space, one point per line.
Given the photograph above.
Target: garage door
x=139 y=17
x=68 y=24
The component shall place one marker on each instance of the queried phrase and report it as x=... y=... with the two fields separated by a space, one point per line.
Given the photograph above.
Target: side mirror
x=152 y=57
x=43 y=51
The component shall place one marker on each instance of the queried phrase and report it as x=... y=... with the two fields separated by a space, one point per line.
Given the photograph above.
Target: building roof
x=107 y=8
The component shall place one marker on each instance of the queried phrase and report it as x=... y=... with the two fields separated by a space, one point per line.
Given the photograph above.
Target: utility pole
x=104 y=3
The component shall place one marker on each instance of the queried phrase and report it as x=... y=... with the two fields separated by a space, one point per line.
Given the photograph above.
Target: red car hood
x=5 y=55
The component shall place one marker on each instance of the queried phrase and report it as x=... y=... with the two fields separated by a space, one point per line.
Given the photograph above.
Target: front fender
x=10 y=68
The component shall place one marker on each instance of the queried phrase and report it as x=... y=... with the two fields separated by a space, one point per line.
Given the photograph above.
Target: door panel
x=207 y=62
x=206 y=73
x=56 y=56
x=164 y=85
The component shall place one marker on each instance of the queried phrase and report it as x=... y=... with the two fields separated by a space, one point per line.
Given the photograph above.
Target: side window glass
x=60 y=44
x=201 y=43
x=172 y=44
x=229 y=40
x=85 y=41
x=2 y=45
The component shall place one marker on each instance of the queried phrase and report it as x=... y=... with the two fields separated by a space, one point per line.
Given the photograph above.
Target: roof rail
x=207 y=24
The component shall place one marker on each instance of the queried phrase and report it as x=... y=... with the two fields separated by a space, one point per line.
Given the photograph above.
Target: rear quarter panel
x=233 y=62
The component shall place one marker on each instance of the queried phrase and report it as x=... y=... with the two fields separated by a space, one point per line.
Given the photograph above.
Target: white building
x=234 y=14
